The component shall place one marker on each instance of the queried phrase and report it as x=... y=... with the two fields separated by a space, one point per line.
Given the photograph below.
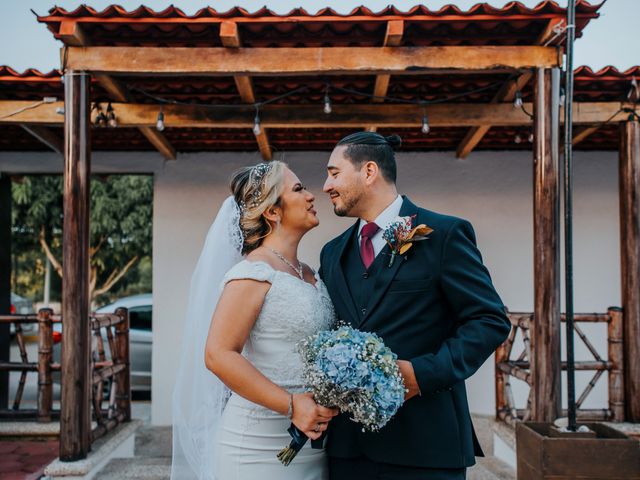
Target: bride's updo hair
x=256 y=189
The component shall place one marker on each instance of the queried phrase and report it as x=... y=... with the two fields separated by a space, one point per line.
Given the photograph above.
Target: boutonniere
x=400 y=235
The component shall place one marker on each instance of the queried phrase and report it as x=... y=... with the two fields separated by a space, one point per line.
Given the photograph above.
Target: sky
x=611 y=39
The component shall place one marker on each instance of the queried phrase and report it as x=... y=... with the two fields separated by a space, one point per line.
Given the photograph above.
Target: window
x=140 y=317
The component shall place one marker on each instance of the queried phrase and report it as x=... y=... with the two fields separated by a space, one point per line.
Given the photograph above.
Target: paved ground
x=152 y=459
x=25 y=460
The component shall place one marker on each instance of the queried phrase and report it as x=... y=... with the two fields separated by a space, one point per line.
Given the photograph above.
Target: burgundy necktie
x=366 y=247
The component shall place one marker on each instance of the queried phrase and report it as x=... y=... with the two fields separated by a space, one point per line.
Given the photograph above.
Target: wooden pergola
x=210 y=73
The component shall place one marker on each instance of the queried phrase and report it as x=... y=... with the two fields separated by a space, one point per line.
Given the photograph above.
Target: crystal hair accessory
x=256 y=176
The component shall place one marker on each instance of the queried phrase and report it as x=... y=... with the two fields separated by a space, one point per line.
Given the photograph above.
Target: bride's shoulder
x=250 y=270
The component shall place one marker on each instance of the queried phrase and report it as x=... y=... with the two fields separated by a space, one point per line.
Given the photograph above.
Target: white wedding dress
x=249 y=436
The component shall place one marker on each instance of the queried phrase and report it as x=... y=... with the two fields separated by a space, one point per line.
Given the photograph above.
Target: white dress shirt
x=386 y=217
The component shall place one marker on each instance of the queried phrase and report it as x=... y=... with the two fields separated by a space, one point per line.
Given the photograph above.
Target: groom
x=434 y=306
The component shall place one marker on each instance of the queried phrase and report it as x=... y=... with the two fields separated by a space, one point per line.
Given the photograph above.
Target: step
x=153 y=442
x=147 y=468
x=491 y=468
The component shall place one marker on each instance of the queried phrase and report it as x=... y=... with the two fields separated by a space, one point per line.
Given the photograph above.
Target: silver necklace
x=298 y=270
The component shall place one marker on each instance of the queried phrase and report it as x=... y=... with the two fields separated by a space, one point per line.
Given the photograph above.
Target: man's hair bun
x=394 y=141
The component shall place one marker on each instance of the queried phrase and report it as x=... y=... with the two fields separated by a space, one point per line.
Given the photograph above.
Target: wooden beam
x=114 y=88
x=229 y=34
x=75 y=407
x=71 y=32
x=312 y=116
x=629 y=181
x=245 y=88
x=584 y=133
x=549 y=33
x=506 y=94
x=159 y=141
x=230 y=37
x=545 y=332
x=119 y=92
x=392 y=38
x=46 y=136
x=306 y=61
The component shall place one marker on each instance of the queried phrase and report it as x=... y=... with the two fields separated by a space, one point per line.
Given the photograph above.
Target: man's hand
x=410 y=382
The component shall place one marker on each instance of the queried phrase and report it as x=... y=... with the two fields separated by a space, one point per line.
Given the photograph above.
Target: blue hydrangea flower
x=356 y=372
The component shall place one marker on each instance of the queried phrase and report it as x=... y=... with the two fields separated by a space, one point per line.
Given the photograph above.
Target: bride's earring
x=277 y=225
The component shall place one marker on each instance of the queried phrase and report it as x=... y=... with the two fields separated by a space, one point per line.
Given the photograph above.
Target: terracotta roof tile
x=482 y=24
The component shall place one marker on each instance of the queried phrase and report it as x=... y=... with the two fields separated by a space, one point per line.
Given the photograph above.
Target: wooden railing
x=43 y=366
x=110 y=369
x=509 y=366
x=114 y=368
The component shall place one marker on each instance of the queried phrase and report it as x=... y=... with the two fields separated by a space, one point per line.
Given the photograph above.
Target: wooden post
x=75 y=412
x=500 y=356
x=5 y=282
x=45 y=350
x=629 y=172
x=616 y=358
x=123 y=379
x=545 y=331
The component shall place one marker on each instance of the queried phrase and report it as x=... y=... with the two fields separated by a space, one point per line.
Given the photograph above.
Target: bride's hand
x=309 y=417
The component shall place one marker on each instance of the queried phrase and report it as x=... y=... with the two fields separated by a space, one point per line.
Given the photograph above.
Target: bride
x=239 y=387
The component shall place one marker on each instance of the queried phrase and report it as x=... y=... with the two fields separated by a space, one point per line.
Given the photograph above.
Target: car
x=22 y=306
x=140 y=335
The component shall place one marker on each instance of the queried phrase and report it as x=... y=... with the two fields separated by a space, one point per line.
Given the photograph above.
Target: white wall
x=491 y=189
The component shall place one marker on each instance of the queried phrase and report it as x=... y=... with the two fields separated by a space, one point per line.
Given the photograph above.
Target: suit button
x=364 y=311
x=365 y=275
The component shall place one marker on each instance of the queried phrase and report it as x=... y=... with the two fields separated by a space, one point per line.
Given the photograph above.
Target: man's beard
x=347 y=207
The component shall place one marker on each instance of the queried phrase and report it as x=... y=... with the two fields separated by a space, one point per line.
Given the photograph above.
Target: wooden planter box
x=609 y=454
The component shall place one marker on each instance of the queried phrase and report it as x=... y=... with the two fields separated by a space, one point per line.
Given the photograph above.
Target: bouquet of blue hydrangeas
x=353 y=371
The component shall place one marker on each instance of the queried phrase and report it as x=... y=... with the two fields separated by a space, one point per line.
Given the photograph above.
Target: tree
x=120 y=223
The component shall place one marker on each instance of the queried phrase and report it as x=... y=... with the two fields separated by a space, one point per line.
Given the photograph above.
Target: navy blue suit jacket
x=436 y=307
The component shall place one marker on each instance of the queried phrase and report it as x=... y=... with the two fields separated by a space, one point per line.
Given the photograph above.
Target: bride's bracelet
x=290 y=409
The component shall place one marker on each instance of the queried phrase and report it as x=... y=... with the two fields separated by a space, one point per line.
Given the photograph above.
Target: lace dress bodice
x=292 y=310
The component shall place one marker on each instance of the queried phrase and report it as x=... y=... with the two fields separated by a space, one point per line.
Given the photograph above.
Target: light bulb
x=160 y=122
x=327 y=104
x=517 y=102
x=425 y=124
x=531 y=138
x=111 y=117
x=517 y=139
x=101 y=119
x=256 y=125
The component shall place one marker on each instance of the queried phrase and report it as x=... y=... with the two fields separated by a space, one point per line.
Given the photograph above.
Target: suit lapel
x=387 y=273
x=338 y=277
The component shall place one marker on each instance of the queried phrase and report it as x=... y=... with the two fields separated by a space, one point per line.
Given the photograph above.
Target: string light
x=327 y=106
x=111 y=117
x=530 y=138
x=634 y=90
x=517 y=102
x=517 y=139
x=425 y=124
x=101 y=118
x=256 y=123
x=327 y=102
x=160 y=121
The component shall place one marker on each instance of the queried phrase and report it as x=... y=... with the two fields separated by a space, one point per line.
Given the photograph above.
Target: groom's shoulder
x=438 y=220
